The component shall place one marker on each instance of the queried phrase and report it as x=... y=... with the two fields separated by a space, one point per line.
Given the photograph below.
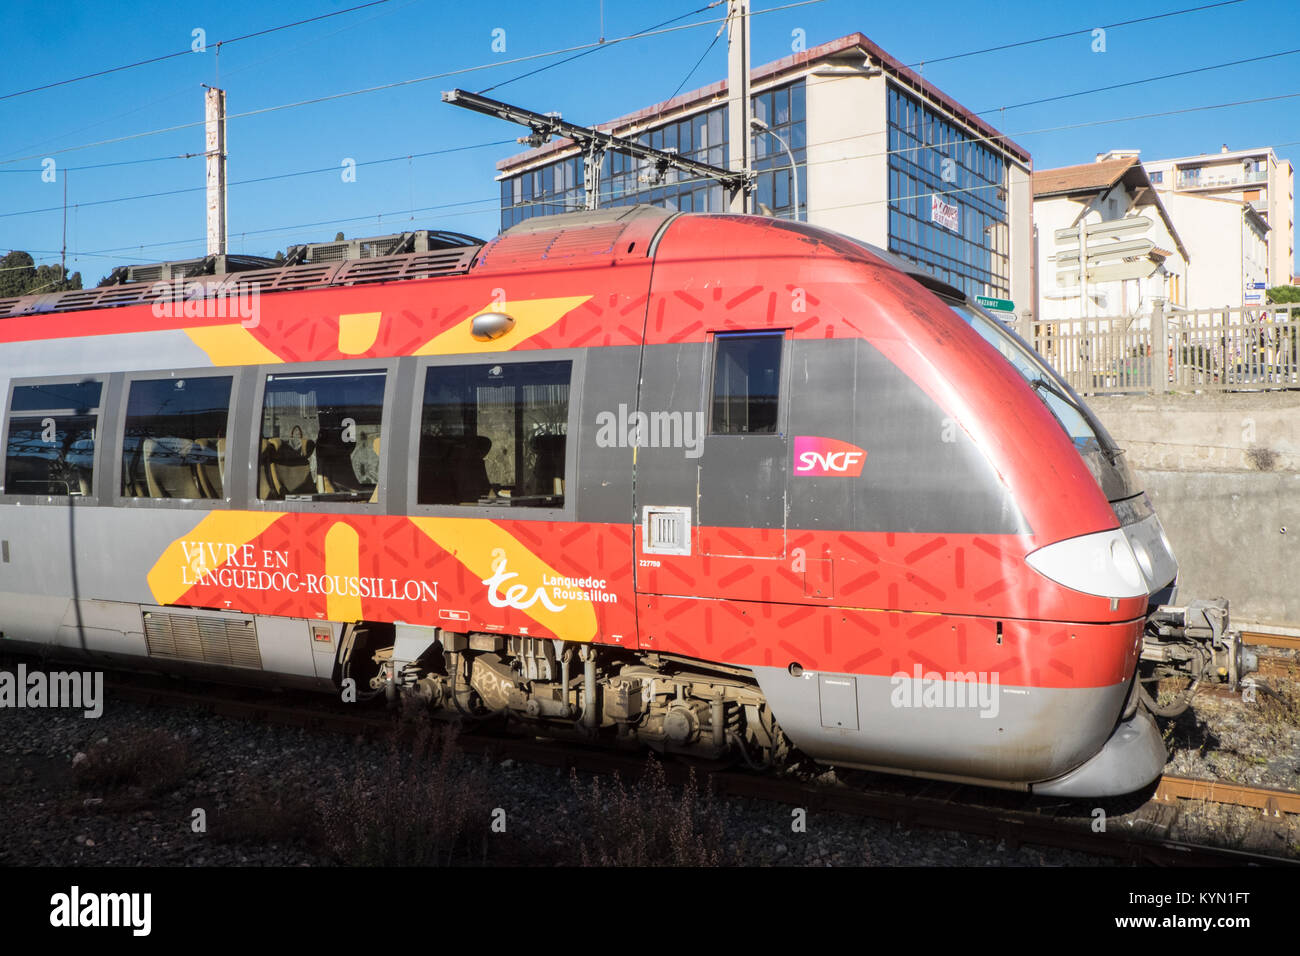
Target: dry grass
x=650 y=824
x=428 y=806
x=150 y=760
x=270 y=814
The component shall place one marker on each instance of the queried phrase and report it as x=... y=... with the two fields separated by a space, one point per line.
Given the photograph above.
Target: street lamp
x=757 y=124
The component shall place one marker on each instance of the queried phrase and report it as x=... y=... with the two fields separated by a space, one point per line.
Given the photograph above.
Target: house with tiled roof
x=1105 y=244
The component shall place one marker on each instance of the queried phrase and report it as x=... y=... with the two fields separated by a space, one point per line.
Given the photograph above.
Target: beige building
x=874 y=152
x=1228 y=244
x=1133 y=252
x=1254 y=176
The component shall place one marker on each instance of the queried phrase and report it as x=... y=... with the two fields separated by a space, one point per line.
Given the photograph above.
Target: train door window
x=51 y=445
x=320 y=436
x=174 y=439
x=495 y=435
x=746 y=382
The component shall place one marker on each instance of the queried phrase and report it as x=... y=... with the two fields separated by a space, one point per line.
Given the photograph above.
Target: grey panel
x=286 y=645
x=605 y=473
x=97 y=354
x=672 y=384
x=116 y=547
x=107 y=627
x=922 y=472
x=838 y=697
x=742 y=482
x=951 y=727
x=1134 y=756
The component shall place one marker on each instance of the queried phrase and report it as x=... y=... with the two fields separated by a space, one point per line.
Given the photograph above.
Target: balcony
x=1223 y=177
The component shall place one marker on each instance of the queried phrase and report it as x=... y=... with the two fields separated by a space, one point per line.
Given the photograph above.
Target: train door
x=712 y=463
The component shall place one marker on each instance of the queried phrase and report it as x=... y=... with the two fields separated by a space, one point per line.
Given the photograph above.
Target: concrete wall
x=1223 y=472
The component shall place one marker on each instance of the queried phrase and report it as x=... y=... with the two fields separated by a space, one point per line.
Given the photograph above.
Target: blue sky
x=405 y=39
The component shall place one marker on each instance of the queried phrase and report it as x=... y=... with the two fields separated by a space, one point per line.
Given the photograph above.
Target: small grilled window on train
x=51 y=445
x=495 y=435
x=320 y=436
x=174 y=440
x=746 y=382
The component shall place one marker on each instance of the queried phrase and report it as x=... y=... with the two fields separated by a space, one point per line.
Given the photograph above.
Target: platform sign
x=997 y=305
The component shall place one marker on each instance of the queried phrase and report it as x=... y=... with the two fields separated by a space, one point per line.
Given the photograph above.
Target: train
x=724 y=485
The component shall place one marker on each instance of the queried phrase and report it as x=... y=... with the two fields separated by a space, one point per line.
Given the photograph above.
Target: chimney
x=1224 y=148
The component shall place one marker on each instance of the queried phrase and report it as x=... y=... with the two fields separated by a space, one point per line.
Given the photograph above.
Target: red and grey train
x=706 y=483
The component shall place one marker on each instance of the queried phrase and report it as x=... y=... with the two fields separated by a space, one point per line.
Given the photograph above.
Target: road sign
x=1111 y=227
x=997 y=305
x=1108 y=250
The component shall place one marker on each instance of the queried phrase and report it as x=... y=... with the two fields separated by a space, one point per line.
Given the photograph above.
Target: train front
x=1181 y=645
x=1028 y=630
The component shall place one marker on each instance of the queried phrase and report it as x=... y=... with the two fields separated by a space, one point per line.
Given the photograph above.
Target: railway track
x=1138 y=836
x=1262 y=639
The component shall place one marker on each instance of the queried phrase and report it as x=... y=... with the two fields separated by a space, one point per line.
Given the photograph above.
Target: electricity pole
x=215 y=151
x=738 y=106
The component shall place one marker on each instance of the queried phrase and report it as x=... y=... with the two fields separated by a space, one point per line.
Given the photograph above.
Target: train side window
x=746 y=382
x=174 y=442
x=495 y=435
x=320 y=436
x=51 y=445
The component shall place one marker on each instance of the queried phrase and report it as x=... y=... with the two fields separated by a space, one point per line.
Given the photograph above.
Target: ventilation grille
x=666 y=530
x=206 y=639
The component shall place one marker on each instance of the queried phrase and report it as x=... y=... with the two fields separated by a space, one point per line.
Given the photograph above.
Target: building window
x=1157 y=177
x=51 y=445
x=625 y=180
x=320 y=436
x=947 y=196
x=174 y=441
x=746 y=382
x=495 y=435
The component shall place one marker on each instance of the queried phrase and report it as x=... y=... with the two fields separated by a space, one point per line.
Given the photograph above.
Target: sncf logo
x=827 y=458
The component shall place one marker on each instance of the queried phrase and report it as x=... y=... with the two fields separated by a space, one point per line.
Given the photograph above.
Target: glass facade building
x=947 y=199
x=558 y=186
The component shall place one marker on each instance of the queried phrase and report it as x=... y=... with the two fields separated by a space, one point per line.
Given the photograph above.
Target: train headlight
x=1102 y=564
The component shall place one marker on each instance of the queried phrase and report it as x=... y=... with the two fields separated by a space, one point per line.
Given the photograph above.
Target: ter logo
x=827 y=458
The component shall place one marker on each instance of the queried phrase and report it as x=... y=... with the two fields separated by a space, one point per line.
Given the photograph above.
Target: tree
x=19 y=275
x=1282 y=294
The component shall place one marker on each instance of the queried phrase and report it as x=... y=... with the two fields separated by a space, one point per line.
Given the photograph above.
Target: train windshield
x=1103 y=457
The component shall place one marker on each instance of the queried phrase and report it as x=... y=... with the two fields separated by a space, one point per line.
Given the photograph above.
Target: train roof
x=603 y=236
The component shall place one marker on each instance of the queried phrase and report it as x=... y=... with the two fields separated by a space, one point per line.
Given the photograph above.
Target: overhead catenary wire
x=1149 y=79
x=1074 y=33
x=689 y=181
x=261 y=179
x=601 y=45
x=187 y=51
x=330 y=97
x=988 y=139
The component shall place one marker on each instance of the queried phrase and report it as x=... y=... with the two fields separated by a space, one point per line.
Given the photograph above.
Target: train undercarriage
x=667 y=703
x=673 y=704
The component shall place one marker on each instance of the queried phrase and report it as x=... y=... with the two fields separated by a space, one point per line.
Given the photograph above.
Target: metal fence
x=1201 y=350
